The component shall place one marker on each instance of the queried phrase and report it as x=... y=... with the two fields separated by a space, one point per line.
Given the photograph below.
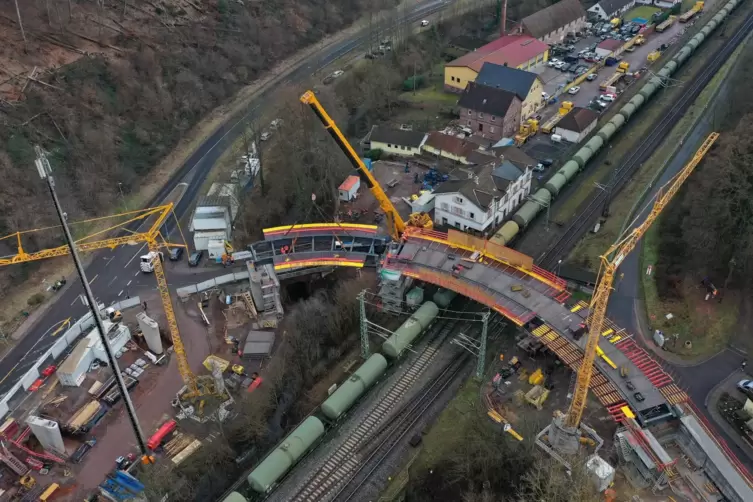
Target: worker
x=144 y=306
x=415 y=178
x=743 y=365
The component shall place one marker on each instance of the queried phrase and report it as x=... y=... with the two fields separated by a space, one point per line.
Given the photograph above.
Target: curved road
x=115 y=274
x=624 y=309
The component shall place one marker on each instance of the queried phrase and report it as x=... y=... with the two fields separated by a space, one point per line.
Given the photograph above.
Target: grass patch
x=586 y=253
x=644 y=11
x=577 y=296
x=430 y=95
x=707 y=325
x=441 y=438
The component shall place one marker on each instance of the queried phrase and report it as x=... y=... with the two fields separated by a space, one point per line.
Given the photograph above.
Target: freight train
x=577 y=163
x=304 y=437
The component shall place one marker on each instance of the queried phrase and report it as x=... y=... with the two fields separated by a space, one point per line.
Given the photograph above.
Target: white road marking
x=138 y=253
x=129 y=282
x=121 y=292
x=75 y=300
x=136 y=274
x=94 y=279
x=108 y=261
x=112 y=280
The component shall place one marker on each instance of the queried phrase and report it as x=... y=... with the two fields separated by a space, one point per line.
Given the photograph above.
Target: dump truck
x=653 y=56
x=549 y=125
x=698 y=7
x=623 y=67
x=639 y=40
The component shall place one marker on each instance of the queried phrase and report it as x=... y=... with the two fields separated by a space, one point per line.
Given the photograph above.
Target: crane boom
x=152 y=239
x=397 y=225
x=610 y=261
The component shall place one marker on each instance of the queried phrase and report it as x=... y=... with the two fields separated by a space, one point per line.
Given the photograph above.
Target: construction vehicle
x=653 y=56
x=395 y=223
x=58 y=285
x=238 y=369
x=698 y=7
x=639 y=40
x=27 y=481
x=227 y=257
x=623 y=67
x=568 y=427
x=148 y=261
x=666 y=24
x=113 y=315
x=421 y=220
x=548 y=126
x=527 y=130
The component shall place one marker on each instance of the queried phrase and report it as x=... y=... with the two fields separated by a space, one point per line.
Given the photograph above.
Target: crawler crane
x=564 y=433
x=395 y=223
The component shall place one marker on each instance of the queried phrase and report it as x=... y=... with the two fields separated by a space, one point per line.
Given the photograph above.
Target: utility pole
x=45 y=172
x=365 y=351
x=482 y=346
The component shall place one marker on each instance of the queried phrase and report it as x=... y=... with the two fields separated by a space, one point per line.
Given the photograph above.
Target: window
x=481 y=127
x=472 y=216
x=452 y=78
x=469 y=122
x=444 y=207
x=470 y=112
x=494 y=117
x=480 y=115
x=444 y=221
x=457 y=200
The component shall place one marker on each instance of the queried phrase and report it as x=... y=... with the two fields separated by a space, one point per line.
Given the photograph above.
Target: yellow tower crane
x=396 y=225
x=154 y=241
x=610 y=261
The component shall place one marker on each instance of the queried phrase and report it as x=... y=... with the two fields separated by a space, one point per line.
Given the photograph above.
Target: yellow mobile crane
x=154 y=241
x=565 y=429
x=395 y=223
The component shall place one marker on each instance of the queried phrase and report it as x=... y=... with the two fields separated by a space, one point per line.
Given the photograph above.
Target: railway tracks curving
x=338 y=467
x=587 y=217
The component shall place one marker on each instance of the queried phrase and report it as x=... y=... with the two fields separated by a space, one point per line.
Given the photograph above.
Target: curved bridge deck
x=539 y=307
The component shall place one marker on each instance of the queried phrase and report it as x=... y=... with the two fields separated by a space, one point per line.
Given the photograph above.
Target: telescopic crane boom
x=610 y=261
x=396 y=224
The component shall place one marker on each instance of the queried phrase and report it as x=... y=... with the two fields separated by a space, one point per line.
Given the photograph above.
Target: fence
x=68 y=338
x=185 y=292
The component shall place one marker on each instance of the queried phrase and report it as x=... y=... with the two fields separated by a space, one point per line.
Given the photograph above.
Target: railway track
x=578 y=226
x=343 y=460
x=374 y=457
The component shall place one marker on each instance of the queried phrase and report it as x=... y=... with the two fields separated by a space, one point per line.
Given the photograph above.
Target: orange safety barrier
x=320 y=262
x=459 y=286
x=491 y=250
x=323 y=227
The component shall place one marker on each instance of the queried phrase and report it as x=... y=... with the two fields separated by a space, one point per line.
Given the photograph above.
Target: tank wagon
x=299 y=442
x=443 y=297
x=235 y=497
x=528 y=211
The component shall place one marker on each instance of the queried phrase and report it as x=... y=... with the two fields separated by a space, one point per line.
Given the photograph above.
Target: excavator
x=227 y=258
x=395 y=223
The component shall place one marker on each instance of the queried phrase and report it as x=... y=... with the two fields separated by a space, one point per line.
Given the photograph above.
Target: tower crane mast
x=610 y=261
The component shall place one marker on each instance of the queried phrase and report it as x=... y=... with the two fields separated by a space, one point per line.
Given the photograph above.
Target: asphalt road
x=115 y=274
x=698 y=379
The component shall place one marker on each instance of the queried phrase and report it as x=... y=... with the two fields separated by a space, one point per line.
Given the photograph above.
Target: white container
x=556 y=138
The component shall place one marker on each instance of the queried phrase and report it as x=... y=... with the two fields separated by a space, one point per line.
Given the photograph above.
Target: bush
x=374 y=154
x=35 y=299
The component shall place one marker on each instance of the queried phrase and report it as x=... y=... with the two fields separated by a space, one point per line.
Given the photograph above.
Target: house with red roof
x=516 y=51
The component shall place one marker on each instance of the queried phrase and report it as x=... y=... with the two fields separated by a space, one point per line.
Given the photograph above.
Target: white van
x=556 y=138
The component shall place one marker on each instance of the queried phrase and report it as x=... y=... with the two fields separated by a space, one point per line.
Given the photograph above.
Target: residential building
x=577 y=124
x=517 y=51
x=449 y=147
x=666 y=4
x=396 y=141
x=524 y=84
x=610 y=9
x=490 y=112
x=607 y=47
x=550 y=25
x=516 y=156
x=483 y=200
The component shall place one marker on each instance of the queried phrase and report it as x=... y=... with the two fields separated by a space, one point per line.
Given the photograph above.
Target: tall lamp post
x=120 y=187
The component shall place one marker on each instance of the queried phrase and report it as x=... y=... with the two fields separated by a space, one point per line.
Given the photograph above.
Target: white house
x=609 y=9
x=348 y=189
x=396 y=141
x=576 y=125
x=482 y=200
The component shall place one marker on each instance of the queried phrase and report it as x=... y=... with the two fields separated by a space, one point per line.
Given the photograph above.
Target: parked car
x=573 y=90
x=745 y=386
x=607 y=98
x=592 y=77
x=49 y=370
x=552 y=62
x=337 y=73
x=176 y=254
x=425 y=22
x=546 y=162
x=539 y=168
x=36 y=385
x=195 y=258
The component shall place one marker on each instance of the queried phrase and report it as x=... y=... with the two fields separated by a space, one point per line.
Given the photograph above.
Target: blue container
x=369 y=166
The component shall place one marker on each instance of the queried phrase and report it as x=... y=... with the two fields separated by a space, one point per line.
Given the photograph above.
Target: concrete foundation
x=150 y=330
x=48 y=433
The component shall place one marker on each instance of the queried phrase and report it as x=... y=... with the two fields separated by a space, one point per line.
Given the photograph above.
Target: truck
x=623 y=67
x=639 y=40
x=611 y=81
x=148 y=260
x=528 y=129
x=698 y=7
x=666 y=24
